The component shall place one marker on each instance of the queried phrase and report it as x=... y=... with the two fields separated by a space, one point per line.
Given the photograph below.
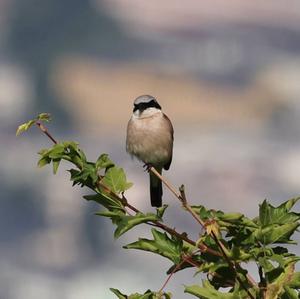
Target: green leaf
x=43 y=152
x=106 y=201
x=209 y=292
x=167 y=295
x=89 y=171
x=233 y=221
x=20 y=129
x=265 y=264
x=231 y=217
x=160 y=211
x=79 y=177
x=119 y=294
x=81 y=155
x=290 y=293
x=287 y=206
x=278 y=215
x=69 y=151
x=87 y=176
x=104 y=162
x=295 y=281
x=77 y=160
x=205 y=214
x=44 y=117
x=57 y=151
x=44 y=161
x=275 y=224
x=283 y=278
x=75 y=154
x=238 y=254
x=147 y=295
x=114 y=215
x=55 y=163
x=127 y=222
x=24 y=127
x=115 y=180
x=162 y=244
x=276 y=233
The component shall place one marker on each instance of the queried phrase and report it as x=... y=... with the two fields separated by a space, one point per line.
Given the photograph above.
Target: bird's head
x=145 y=104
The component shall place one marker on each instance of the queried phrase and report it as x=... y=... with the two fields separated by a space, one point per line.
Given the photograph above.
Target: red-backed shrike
x=150 y=139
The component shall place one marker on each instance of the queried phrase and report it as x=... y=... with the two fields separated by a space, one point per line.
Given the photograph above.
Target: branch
x=182 y=198
x=189 y=208
x=203 y=248
x=124 y=201
x=45 y=131
x=185 y=258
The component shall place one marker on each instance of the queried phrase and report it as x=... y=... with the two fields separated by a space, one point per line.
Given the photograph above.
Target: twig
x=186 y=258
x=170 y=275
x=189 y=259
x=123 y=199
x=189 y=208
x=202 y=223
x=182 y=197
x=158 y=224
x=167 y=184
x=250 y=278
x=45 y=131
x=202 y=247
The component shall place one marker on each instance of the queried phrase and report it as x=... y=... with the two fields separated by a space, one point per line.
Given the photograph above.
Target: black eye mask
x=144 y=105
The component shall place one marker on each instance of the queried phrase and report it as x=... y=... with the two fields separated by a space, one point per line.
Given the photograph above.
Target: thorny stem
x=182 y=197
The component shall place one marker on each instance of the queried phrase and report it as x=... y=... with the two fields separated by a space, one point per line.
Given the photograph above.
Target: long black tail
x=155 y=190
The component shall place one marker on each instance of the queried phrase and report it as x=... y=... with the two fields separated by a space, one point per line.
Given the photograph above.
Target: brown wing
x=167 y=165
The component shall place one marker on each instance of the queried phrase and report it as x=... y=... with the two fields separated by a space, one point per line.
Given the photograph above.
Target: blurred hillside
x=111 y=88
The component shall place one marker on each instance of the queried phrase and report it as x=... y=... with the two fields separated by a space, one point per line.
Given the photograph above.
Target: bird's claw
x=147 y=167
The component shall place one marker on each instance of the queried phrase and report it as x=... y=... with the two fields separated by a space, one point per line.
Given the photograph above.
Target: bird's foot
x=147 y=166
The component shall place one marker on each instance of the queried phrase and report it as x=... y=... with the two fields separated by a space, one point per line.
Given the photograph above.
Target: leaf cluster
x=258 y=240
x=229 y=240
x=25 y=126
x=147 y=295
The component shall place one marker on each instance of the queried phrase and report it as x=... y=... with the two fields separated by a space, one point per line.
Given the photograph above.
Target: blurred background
x=226 y=73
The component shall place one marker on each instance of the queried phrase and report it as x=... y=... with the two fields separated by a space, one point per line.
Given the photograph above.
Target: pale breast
x=150 y=139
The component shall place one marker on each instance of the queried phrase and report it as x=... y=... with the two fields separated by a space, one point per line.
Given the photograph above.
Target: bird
x=150 y=137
